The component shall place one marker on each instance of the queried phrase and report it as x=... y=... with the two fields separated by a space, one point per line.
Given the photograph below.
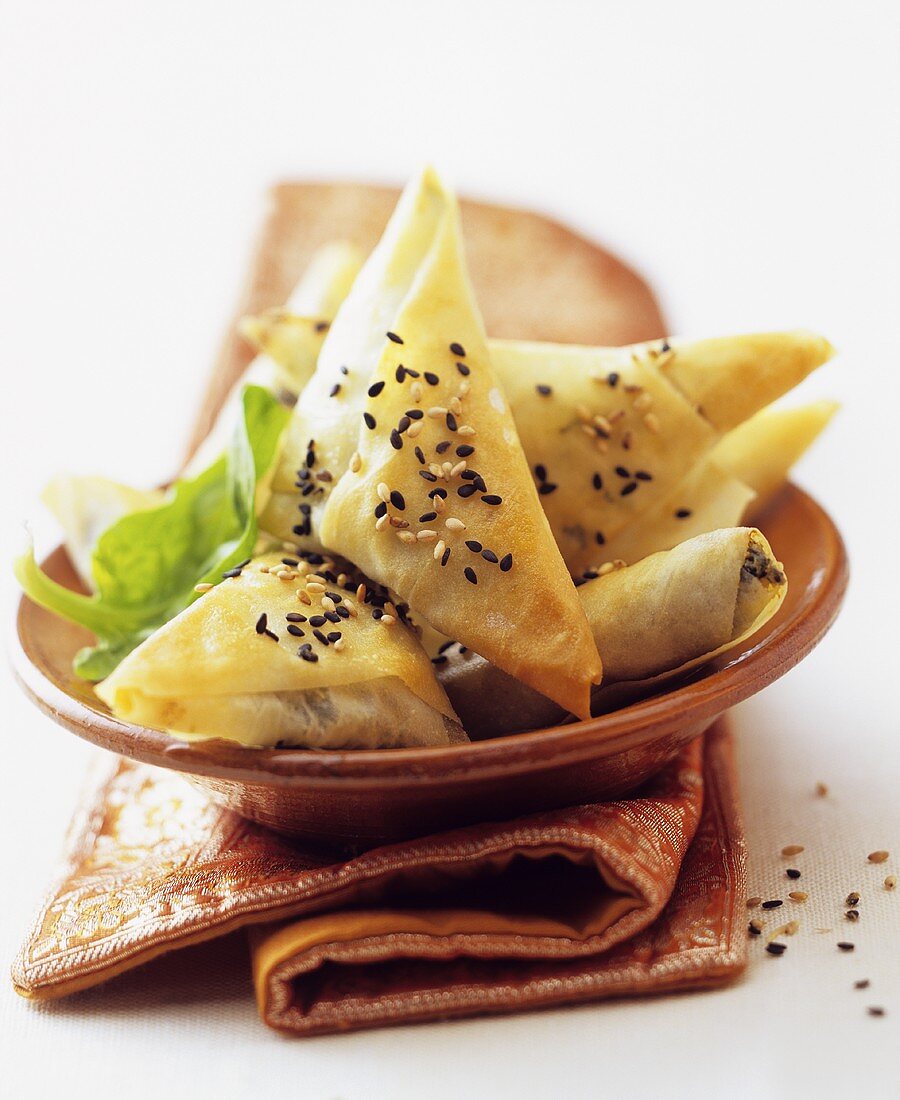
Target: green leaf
x=147 y=563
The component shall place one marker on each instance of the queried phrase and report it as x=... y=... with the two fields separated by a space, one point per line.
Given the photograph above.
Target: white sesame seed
x=456 y=406
x=386 y=620
x=465 y=429
x=447 y=467
x=382 y=522
x=415 y=429
x=439 y=548
x=355 y=463
x=315 y=588
x=204 y=587
x=264 y=569
x=317 y=578
x=439 y=504
x=415 y=392
x=651 y=423
x=400 y=524
x=436 y=412
x=406 y=536
x=458 y=468
x=642 y=402
x=303 y=597
x=383 y=492
x=464 y=388
x=606 y=568
x=588 y=429
x=454 y=524
x=361 y=593
x=584 y=413
x=339 y=645
x=426 y=535
x=328 y=603
x=602 y=423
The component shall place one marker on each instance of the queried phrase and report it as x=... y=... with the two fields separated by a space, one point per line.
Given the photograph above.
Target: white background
x=746 y=158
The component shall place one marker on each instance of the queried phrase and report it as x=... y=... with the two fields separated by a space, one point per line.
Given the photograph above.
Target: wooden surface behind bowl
x=363 y=798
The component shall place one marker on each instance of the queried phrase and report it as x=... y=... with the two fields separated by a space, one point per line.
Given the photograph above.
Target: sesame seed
x=544 y=390
x=597 y=481
x=415 y=391
x=776 y=948
x=436 y=412
x=295 y=630
x=305 y=651
x=463 y=369
x=773 y=904
x=430 y=378
x=755 y=928
x=492 y=498
x=428 y=475
x=369 y=420
x=490 y=556
x=403 y=423
x=612 y=379
x=651 y=423
x=878 y=857
x=320 y=637
x=458 y=468
x=506 y=563
x=642 y=475
x=547 y=487
x=451 y=422
x=426 y=536
x=406 y=536
x=876 y=1010
x=683 y=513
x=845 y=946
x=753 y=903
x=643 y=402
x=387 y=620
x=396 y=441
x=355 y=463
x=821 y=790
x=852 y=899
x=439 y=549
x=427 y=517
x=261 y=623
x=466 y=429
x=792 y=850
x=333 y=636
x=470 y=575
x=344 y=370
x=890 y=883
x=863 y=983
x=852 y=914
x=397 y=500
x=456 y=406
x=454 y=524
x=798 y=895
x=445 y=557
x=204 y=587
x=458 y=349
x=335 y=390
x=439 y=493
x=394 y=337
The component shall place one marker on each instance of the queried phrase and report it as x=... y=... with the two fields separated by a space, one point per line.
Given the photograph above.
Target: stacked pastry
x=447 y=533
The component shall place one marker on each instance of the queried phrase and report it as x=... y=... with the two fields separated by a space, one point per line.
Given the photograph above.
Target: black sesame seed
x=466 y=490
x=844 y=946
x=490 y=556
x=343 y=612
x=439 y=492
x=321 y=326
x=506 y=563
x=642 y=475
x=431 y=378
x=301 y=528
x=440 y=660
x=590 y=575
x=295 y=617
x=305 y=509
x=271 y=634
x=369 y=420
x=317 y=620
x=478 y=482
x=863 y=983
x=776 y=948
x=296 y=631
x=229 y=573
x=451 y=422
x=320 y=637
x=397 y=500
x=378 y=613
x=400 y=373
x=445 y=557
x=470 y=575
x=792 y=872
x=544 y=390
x=334 y=635
x=622 y=472
x=463 y=369
x=292 y=562
x=547 y=487
x=344 y=370
x=403 y=423
x=492 y=498
x=420 y=455
x=666 y=346
x=305 y=651
x=427 y=517
x=336 y=596
x=380 y=509
x=628 y=489
x=396 y=441
x=393 y=336
x=261 y=623
x=682 y=513
x=474 y=546
x=754 y=929
x=414 y=414
x=428 y=475
x=875 y=1010
x=469 y=475
x=443 y=446
x=540 y=472
x=612 y=378
x=599 y=538
x=597 y=481
x=458 y=349
x=375 y=389
x=332 y=617
x=307 y=489
x=464 y=450
x=310 y=457
x=412 y=373
x=774 y=904
x=335 y=390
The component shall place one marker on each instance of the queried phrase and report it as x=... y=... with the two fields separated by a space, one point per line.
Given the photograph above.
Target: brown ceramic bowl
x=363 y=798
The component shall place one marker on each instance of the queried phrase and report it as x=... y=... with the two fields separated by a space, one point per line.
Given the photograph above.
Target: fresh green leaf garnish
x=146 y=564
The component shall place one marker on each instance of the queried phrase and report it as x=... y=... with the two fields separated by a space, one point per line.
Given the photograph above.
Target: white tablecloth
x=747 y=161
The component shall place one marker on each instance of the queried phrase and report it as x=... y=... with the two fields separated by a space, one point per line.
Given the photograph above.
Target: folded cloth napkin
x=640 y=895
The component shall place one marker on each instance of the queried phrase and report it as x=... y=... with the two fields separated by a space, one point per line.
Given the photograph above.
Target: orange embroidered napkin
x=640 y=895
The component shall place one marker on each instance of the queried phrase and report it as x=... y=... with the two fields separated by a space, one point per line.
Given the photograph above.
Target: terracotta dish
x=536 y=279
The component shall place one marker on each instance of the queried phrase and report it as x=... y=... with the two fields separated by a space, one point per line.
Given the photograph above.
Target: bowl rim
x=696 y=702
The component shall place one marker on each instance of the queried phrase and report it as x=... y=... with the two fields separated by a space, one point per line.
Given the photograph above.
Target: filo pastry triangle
x=287 y=652
x=436 y=500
